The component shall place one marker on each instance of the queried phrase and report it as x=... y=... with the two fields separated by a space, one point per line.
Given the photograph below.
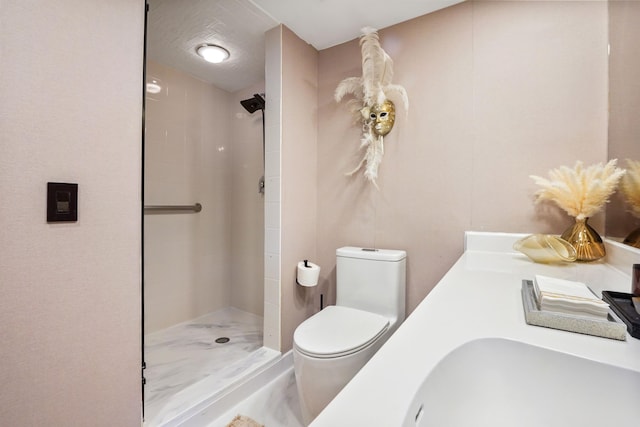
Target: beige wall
x=498 y=91
x=624 y=101
x=299 y=179
x=71 y=90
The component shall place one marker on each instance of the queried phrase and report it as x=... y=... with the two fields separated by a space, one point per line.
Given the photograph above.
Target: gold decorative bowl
x=546 y=248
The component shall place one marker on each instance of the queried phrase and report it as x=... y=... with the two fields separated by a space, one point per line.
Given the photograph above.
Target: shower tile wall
x=247 y=204
x=273 y=166
x=193 y=132
x=186 y=161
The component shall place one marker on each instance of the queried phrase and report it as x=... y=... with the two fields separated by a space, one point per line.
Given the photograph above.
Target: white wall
x=247 y=205
x=272 y=212
x=71 y=91
x=188 y=156
x=201 y=146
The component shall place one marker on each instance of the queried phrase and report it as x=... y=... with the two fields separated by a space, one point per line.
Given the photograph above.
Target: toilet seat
x=338 y=331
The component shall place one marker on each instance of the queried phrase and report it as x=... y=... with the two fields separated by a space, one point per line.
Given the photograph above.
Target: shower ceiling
x=176 y=27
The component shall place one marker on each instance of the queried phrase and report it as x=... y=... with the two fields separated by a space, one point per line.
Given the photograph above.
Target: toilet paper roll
x=308 y=275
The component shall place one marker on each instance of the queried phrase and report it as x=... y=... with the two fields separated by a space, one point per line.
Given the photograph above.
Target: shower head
x=253 y=104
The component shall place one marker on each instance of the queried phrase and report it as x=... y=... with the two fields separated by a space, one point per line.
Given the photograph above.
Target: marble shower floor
x=187 y=369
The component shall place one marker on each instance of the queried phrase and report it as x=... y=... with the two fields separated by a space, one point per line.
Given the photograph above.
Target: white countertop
x=479 y=297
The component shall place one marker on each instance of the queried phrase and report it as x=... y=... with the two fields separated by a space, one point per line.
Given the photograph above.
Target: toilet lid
x=338 y=331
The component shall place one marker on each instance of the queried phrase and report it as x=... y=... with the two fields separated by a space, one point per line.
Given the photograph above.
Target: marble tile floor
x=270 y=398
x=187 y=369
x=274 y=405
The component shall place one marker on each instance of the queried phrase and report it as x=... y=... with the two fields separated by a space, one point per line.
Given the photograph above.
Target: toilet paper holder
x=308 y=274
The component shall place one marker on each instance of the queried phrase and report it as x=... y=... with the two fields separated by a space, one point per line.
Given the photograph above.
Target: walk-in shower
x=204 y=226
x=203 y=244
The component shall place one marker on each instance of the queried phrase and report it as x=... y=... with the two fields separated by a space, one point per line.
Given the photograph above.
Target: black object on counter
x=635 y=280
x=622 y=305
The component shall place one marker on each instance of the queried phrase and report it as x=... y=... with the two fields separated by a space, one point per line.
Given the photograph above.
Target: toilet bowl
x=331 y=346
x=329 y=349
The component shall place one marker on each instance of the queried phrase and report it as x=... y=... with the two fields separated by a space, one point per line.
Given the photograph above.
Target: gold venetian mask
x=383 y=116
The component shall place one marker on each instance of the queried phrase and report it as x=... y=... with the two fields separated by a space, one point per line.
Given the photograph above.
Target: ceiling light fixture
x=212 y=53
x=154 y=86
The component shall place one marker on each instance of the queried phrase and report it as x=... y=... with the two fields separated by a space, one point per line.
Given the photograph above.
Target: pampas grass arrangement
x=579 y=191
x=630 y=186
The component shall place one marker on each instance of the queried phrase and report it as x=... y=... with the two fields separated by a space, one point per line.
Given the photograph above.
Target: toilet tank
x=373 y=280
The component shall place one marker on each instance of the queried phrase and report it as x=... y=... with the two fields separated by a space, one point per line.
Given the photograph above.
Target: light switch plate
x=62 y=202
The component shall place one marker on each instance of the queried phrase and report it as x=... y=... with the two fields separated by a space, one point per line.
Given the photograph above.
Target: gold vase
x=585 y=240
x=633 y=239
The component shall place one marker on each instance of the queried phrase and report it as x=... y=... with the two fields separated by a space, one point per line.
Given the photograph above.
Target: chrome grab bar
x=172 y=208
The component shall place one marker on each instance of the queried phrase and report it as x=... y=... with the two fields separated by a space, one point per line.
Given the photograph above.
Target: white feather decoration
x=349 y=86
x=374 y=87
x=397 y=92
x=374 y=157
x=630 y=186
x=366 y=142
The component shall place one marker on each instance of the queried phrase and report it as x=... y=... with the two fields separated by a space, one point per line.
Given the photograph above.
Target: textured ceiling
x=176 y=27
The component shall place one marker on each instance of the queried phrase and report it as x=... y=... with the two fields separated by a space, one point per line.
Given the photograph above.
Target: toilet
x=331 y=346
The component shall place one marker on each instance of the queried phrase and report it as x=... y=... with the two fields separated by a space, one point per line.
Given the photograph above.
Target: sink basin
x=497 y=382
